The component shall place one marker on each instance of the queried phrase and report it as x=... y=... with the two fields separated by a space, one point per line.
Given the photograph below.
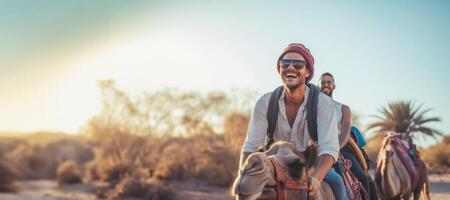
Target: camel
x=392 y=178
x=260 y=173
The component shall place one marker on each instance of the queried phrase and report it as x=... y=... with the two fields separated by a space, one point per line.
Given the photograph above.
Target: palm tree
x=404 y=117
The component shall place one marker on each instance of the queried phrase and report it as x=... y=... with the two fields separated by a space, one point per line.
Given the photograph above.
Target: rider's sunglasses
x=298 y=64
x=326 y=82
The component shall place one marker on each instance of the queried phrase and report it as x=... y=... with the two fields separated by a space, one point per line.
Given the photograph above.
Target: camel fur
x=256 y=179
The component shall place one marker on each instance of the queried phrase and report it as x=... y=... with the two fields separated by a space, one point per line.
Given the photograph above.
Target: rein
x=282 y=184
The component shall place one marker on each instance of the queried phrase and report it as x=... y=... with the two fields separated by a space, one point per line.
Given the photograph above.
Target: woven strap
x=282 y=184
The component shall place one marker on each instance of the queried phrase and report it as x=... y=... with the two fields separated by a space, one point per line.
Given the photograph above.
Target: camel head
x=256 y=173
x=389 y=154
x=386 y=156
x=256 y=178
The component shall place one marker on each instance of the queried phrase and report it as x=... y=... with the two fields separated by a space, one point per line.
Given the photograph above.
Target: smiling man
x=343 y=112
x=295 y=66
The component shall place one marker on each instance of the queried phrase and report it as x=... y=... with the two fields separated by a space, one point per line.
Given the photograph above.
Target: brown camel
x=258 y=175
x=393 y=180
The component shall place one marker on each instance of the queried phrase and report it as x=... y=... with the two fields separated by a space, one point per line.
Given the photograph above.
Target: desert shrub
x=118 y=156
x=7 y=145
x=91 y=171
x=149 y=189
x=218 y=166
x=68 y=173
x=114 y=170
x=31 y=163
x=69 y=149
x=169 y=134
x=7 y=176
x=41 y=160
x=177 y=162
x=235 y=130
x=204 y=157
x=437 y=156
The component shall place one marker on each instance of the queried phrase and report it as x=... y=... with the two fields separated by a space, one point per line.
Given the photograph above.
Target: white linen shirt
x=298 y=135
x=338 y=107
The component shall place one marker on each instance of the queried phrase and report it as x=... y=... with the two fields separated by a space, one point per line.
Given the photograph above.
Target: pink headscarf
x=302 y=50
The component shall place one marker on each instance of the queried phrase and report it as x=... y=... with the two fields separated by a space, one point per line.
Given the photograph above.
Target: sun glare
x=149 y=59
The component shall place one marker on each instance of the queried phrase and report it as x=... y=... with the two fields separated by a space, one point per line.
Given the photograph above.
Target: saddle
x=407 y=156
x=355 y=189
x=354 y=149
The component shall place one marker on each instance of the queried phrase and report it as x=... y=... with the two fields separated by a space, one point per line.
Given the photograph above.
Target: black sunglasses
x=298 y=64
x=326 y=82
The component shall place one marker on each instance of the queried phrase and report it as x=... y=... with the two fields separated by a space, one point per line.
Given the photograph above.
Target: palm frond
x=433 y=119
x=404 y=116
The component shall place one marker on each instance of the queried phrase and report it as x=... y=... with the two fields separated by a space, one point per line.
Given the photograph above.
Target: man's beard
x=328 y=92
x=294 y=87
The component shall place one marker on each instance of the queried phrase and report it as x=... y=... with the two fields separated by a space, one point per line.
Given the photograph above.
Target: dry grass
x=68 y=173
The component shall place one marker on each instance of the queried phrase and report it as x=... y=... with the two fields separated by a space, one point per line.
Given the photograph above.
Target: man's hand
x=314 y=185
x=323 y=164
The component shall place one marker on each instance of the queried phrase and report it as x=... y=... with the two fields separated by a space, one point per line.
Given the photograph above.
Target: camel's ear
x=254 y=163
x=261 y=149
x=273 y=150
x=310 y=155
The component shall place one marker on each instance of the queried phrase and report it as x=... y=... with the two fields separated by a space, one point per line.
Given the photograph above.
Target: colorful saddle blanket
x=355 y=189
x=404 y=154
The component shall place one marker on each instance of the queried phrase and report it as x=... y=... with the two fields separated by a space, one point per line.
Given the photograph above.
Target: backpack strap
x=272 y=115
x=273 y=109
x=311 y=110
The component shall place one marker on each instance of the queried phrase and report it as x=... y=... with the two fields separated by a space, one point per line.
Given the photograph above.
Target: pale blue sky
x=53 y=52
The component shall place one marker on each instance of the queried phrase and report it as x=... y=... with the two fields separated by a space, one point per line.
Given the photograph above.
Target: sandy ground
x=440 y=186
x=191 y=190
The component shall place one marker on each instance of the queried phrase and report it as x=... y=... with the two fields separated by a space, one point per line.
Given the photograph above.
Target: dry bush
x=118 y=156
x=77 y=150
x=114 y=170
x=68 y=173
x=41 y=160
x=149 y=189
x=205 y=157
x=7 y=145
x=176 y=162
x=7 y=176
x=437 y=156
x=235 y=128
x=218 y=166
x=91 y=171
x=120 y=147
x=31 y=163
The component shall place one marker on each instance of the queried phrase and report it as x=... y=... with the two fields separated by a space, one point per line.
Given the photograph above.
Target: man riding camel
x=295 y=66
x=327 y=86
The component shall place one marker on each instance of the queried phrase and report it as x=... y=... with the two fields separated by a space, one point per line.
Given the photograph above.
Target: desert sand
x=192 y=190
